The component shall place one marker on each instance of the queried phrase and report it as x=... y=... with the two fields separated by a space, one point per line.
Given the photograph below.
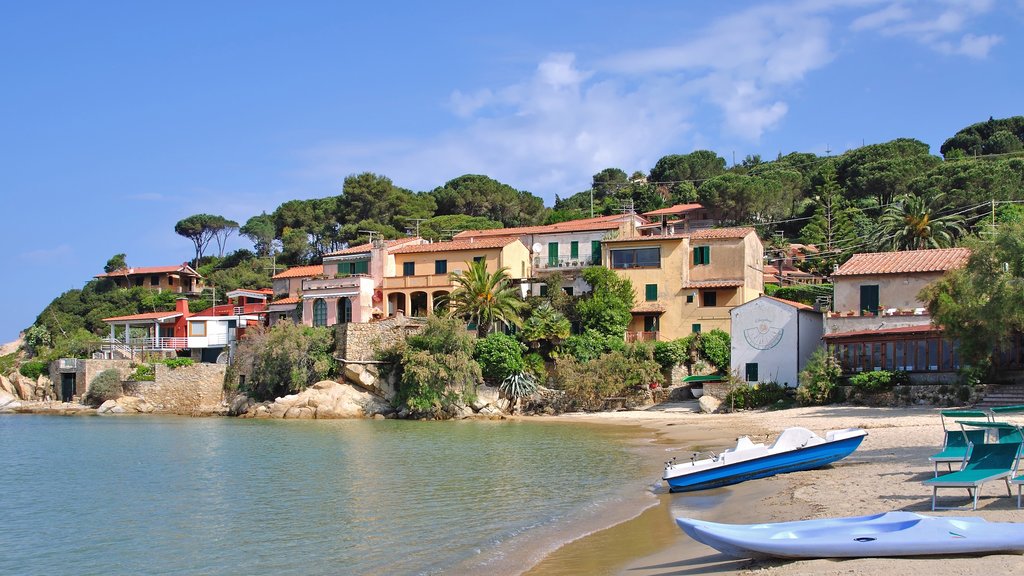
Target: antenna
x=369 y=233
x=418 y=221
x=450 y=232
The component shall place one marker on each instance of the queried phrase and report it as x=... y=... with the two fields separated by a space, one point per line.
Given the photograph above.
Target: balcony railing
x=427 y=281
x=352 y=281
x=565 y=263
x=641 y=336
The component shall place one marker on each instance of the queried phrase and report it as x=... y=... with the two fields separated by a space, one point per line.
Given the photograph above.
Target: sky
x=118 y=119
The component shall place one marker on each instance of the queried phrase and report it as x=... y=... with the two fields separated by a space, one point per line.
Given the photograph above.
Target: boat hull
x=807 y=458
x=880 y=535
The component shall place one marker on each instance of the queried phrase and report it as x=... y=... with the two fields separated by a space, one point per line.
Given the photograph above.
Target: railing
x=641 y=336
x=565 y=264
x=352 y=281
x=428 y=281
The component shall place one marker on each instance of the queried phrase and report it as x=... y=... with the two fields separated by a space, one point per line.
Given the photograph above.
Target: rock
x=44 y=386
x=240 y=404
x=6 y=398
x=379 y=417
x=461 y=411
x=502 y=404
x=106 y=407
x=117 y=409
x=134 y=404
x=487 y=395
x=6 y=386
x=25 y=388
x=709 y=404
x=478 y=404
x=329 y=399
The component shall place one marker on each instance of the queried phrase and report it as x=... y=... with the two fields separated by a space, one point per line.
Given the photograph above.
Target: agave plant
x=518 y=385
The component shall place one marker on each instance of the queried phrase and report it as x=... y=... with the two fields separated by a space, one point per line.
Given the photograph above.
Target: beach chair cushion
x=985 y=462
x=955 y=447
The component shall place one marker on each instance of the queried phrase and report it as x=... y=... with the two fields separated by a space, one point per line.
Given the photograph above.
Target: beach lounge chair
x=1019 y=481
x=954 y=445
x=985 y=463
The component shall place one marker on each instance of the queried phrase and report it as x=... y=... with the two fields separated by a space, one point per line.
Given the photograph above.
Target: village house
x=687 y=283
x=678 y=219
x=772 y=339
x=879 y=321
x=181 y=279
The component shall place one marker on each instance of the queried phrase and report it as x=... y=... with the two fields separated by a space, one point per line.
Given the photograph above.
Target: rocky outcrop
x=6 y=386
x=24 y=388
x=126 y=405
x=709 y=404
x=325 y=399
x=8 y=401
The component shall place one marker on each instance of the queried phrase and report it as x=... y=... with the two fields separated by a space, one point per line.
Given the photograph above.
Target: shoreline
x=884 y=474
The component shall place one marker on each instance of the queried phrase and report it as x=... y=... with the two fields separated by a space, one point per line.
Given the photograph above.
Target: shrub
x=283 y=359
x=437 y=366
x=173 y=363
x=7 y=362
x=590 y=345
x=34 y=368
x=745 y=396
x=879 y=381
x=105 y=386
x=611 y=374
x=818 y=379
x=143 y=373
x=715 y=347
x=536 y=365
x=670 y=354
x=518 y=385
x=500 y=356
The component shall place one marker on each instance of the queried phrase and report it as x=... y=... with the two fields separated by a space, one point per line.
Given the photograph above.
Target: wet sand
x=884 y=474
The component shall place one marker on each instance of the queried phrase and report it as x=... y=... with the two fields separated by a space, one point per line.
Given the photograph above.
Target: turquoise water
x=156 y=495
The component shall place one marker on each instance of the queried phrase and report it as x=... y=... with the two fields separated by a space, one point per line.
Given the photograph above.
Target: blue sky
x=120 y=118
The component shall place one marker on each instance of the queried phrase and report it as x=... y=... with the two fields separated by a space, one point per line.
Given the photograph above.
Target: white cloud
x=938 y=25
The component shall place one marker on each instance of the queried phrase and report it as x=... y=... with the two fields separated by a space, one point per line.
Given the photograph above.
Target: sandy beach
x=884 y=474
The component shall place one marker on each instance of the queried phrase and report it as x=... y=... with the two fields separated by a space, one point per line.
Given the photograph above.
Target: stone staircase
x=1002 y=395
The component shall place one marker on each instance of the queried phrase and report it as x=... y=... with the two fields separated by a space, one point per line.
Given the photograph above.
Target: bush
x=612 y=374
x=173 y=363
x=537 y=366
x=500 y=356
x=804 y=293
x=716 y=348
x=105 y=386
x=518 y=385
x=671 y=353
x=746 y=396
x=34 y=368
x=283 y=359
x=143 y=373
x=818 y=379
x=7 y=362
x=879 y=381
x=590 y=345
x=437 y=366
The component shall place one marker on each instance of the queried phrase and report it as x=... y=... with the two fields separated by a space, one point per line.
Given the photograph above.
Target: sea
x=179 y=495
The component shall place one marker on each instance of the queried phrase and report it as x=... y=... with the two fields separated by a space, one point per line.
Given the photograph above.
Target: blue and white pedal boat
x=887 y=534
x=795 y=449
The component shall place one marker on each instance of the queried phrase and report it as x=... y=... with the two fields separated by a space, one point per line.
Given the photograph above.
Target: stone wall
x=85 y=371
x=360 y=342
x=196 y=389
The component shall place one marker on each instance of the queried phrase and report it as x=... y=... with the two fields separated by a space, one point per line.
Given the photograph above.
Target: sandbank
x=884 y=474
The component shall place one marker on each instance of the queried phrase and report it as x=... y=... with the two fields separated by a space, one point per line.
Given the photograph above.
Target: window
x=408 y=268
x=567 y=290
x=552 y=253
x=710 y=298
x=869 y=298
x=344 y=310
x=440 y=266
x=701 y=255
x=139 y=281
x=154 y=280
x=543 y=289
x=319 y=312
x=197 y=329
x=651 y=323
x=695 y=328
x=478 y=258
x=689 y=298
x=636 y=258
x=651 y=292
x=350 y=268
x=595 y=251
x=574 y=249
x=751 y=371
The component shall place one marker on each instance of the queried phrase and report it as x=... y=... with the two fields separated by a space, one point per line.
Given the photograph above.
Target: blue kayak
x=886 y=534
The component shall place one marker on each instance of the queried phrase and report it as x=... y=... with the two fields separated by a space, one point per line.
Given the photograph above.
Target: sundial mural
x=766 y=332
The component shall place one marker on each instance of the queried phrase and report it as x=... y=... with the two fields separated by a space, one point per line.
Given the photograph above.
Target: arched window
x=319 y=312
x=344 y=310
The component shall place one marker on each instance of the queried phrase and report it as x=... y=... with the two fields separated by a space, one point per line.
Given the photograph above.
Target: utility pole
x=418 y=221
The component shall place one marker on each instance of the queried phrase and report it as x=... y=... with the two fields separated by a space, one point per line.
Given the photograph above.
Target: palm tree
x=485 y=298
x=914 y=223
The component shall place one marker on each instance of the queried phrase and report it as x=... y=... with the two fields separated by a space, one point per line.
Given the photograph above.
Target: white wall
x=765 y=331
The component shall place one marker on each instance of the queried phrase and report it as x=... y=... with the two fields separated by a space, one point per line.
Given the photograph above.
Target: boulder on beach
x=329 y=399
x=126 y=405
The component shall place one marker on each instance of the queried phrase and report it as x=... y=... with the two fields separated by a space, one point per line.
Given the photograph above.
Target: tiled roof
x=597 y=223
x=300 y=272
x=713 y=284
x=455 y=245
x=911 y=261
x=284 y=301
x=145 y=316
x=648 y=307
x=673 y=210
x=366 y=247
x=797 y=305
x=182 y=268
x=713 y=233
x=904 y=330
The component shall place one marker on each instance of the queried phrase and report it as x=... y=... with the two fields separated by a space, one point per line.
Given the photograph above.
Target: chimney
x=181 y=305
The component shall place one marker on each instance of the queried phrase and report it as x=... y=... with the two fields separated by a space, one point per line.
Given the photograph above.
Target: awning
x=707 y=378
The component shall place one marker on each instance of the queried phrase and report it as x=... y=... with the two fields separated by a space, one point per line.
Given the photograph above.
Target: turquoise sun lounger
x=985 y=462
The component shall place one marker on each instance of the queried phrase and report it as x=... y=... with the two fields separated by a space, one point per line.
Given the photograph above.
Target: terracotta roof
x=939 y=260
x=292 y=300
x=182 y=268
x=455 y=245
x=904 y=330
x=261 y=291
x=367 y=246
x=648 y=307
x=145 y=316
x=713 y=233
x=673 y=210
x=300 y=272
x=597 y=223
x=713 y=284
x=797 y=305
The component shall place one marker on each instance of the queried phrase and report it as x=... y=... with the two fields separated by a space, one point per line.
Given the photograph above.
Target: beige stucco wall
x=894 y=290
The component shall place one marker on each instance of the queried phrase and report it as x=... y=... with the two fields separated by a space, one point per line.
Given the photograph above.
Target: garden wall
x=196 y=389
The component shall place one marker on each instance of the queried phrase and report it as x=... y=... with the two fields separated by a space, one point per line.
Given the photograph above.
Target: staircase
x=1002 y=395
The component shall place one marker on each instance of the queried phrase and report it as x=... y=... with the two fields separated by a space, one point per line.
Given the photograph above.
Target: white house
x=772 y=339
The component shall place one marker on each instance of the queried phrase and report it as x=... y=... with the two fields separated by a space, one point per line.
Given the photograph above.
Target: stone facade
x=361 y=342
x=85 y=371
x=197 y=389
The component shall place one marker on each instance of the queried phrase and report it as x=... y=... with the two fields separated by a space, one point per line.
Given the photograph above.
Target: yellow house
x=422 y=278
x=687 y=283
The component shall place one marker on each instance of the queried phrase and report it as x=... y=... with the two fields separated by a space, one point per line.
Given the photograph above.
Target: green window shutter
x=651 y=292
x=440 y=266
x=695 y=328
x=751 y=371
x=701 y=255
x=342 y=269
x=574 y=249
x=408 y=268
x=595 y=251
x=543 y=289
x=707 y=254
x=552 y=253
x=362 y=267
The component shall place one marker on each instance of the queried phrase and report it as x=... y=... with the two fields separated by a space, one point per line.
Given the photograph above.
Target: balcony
x=352 y=281
x=427 y=281
x=560 y=264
